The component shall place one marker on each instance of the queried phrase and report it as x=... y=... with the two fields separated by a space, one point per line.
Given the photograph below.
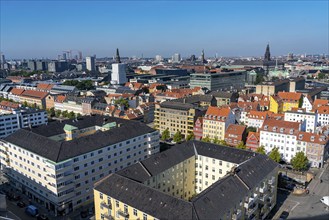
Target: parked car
x=21 y=204
x=32 y=210
x=284 y=215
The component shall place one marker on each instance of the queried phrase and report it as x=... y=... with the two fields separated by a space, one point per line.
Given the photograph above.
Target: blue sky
x=35 y=29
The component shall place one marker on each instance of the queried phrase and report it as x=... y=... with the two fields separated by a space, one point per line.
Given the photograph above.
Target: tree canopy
x=178 y=137
x=275 y=155
x=261 y=150
x=122 y=101
x=190 y=136
x=165 y=135
x=206 y=139
x=299 y=161
x=81 y=85
x=241 y=145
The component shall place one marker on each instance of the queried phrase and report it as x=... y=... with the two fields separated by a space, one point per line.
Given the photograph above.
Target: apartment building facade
x=21 y=118
x=216 y=121
x=298 y=115
x=256 y=118
x=135 y=194
x=181 y=114
x=57 y=165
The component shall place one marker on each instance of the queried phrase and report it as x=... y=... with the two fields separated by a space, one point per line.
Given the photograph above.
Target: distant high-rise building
x=2 y=61
x=290 y=56
x=91 y=63
x=176 y=58
x=203 y=60
x=192 y=57
x=32 y=65
x=80 y=55
x=158 y=58
x=118 y=75
x=64 y=56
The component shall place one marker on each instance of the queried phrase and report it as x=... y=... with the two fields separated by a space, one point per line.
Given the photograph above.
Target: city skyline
x=45 y=29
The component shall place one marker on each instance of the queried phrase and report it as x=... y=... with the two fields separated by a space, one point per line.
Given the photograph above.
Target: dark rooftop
x=36 y=139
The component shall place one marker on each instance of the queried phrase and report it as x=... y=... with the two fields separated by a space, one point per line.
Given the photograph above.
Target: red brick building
x=198 y=129
x=235 y=134
x=252 y=142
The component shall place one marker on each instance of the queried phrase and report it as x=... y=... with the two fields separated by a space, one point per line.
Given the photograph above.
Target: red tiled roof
x=257 y=114
x=217 y=111
x=235 y=129
x=45 y=86
x=34 y=94
x=290 y=96
x=279 y=126
x=312 y=138
x=17 y=91
x=320 y=102
x=8 y=104
x=323 y=110
x=253 y=134
x=60 y=98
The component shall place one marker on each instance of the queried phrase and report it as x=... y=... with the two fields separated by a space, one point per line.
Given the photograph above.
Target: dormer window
x=274 y=128
x=265 y=127
x=312 y=138
x=281 y=130
x=300 y=136
x=291 y=131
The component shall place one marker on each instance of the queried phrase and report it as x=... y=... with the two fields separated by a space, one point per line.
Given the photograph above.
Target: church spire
x=267 y=56
x=203 y=60
x=117 y=57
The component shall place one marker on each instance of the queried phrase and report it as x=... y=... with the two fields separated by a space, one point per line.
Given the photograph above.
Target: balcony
x=250 y=201
x=123 y=214
x=269 y=200
x=107 y=206
x=237 y=215
x=263 y=189
x=252 y=210
x=263 y=198
x=271 y=181
x=108 y=217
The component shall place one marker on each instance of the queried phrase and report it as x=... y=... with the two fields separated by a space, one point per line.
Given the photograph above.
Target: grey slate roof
x=219 y=198
x=212 y=203
x=146 y=199
x=254 y=170
x=36 y=140
x=220 y=152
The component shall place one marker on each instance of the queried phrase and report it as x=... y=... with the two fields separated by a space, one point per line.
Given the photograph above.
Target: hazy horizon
x=34 y=29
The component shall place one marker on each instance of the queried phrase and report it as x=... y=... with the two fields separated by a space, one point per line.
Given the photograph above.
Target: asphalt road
x=307 y=206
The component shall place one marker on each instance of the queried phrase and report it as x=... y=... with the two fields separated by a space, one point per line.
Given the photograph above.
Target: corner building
x=57 y=165
x=193 y=180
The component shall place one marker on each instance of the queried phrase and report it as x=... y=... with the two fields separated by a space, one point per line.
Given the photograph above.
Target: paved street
x=308 y=206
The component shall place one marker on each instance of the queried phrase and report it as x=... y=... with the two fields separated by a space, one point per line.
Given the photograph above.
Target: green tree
x=241 y=145
x=249 y=129
x=299 y=161
x=261 y=150
x=78 y=115
x=65 y=113
x=190 y=136
x=275 y=155
x=122 y=101
x=58 y=113
x=300 y=102
x=321 y=76
x=216 y=140
x=51 y=112
x=206 y=139
x=178 y=137
x=25 y=104
x=259 y=78
x=165 y=134
x=223 y=142
x=71 y=115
